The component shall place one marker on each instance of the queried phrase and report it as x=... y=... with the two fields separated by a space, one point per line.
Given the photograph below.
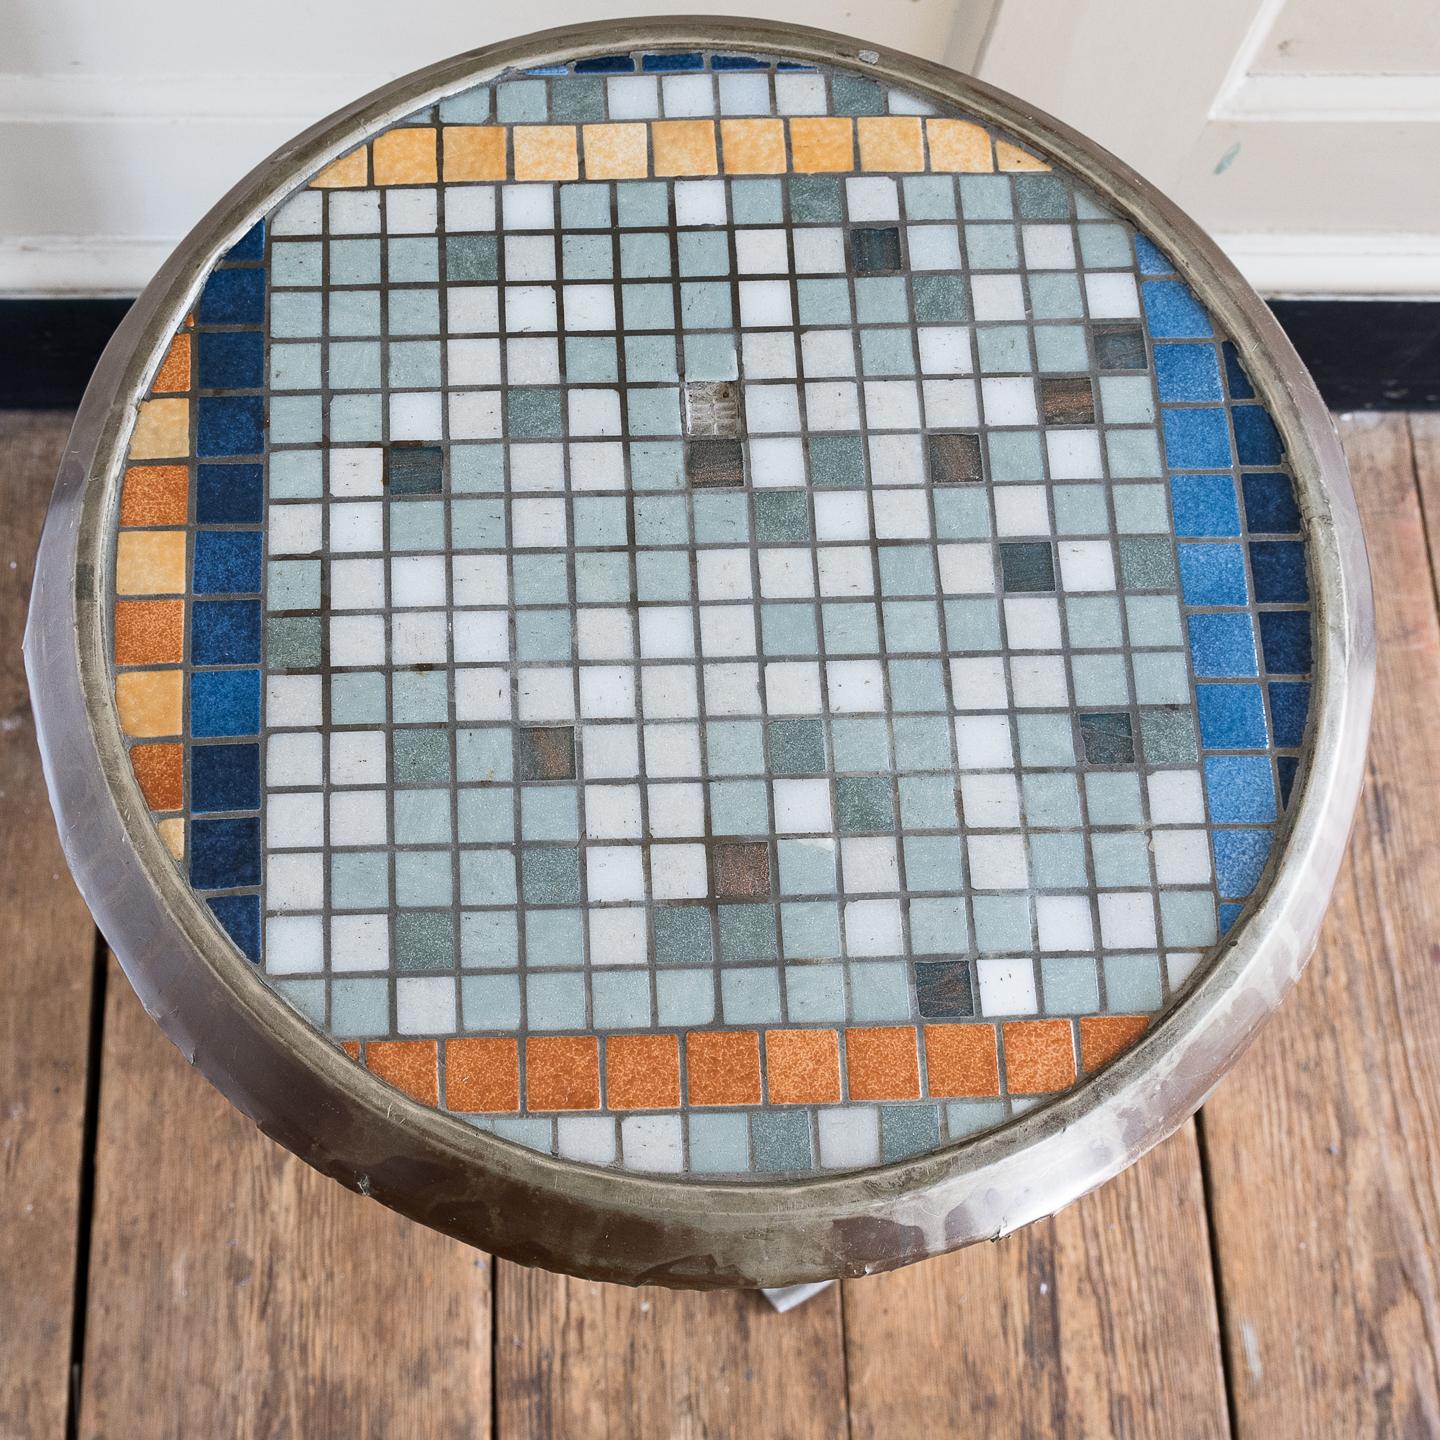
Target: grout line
x=1217 y=1279
x=85 y=1204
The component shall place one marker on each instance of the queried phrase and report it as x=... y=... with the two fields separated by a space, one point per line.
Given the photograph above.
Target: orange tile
x=474 y=152
x=150 y=562
x=1039 y=1056
x=881 y=1063
x=351 y=1048
x=174 y=371
x=822 y=143
x=723 y=1067
x=149 y=702
x=642 y=1072
x=149 y=632
x=172 y=832
x=408 y=1065
x=160 y=771
x=545 y=152
x=482 y=1073
x=891 y=142
x=405 y=156
x=1012 y=157
x=962 y=1060
x=349 y=172
x=753 y=147
x=155 y=495
x=959 y=145
x=802 y=1067
x=1103 y=1037
x=562 y=1072
x=617 y=152
x=684 y=147
x=162 y=430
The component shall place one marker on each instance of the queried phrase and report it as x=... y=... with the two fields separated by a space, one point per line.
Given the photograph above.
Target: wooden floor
x=1271 y=1271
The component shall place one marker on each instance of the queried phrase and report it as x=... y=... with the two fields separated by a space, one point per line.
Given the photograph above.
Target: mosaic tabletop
x=711 y=619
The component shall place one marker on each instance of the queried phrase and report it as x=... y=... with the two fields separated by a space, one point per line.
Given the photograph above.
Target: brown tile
x=881 y=1063
x=802 y=1067
x=642 y=1072
x=723 y=1067
x=955 y=459
x=547 y=752
x=962 y=1060
x=482 y=1073
x=149 y=632
x=150 y=703
x=1067 y=400
x=1039 y=1056
x=155 y=495
x=714 y=464
x=742 y=869
x=351 y=1048
x=562 y=1072
x=1103 y=1037
x=160 y=769
x=174 y=372
x=408 y=1065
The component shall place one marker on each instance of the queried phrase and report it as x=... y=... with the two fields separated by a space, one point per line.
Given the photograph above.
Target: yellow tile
x=162 y=430
x=1012 y=157
x=616 y=152
x=891 y=142
x=347 y=173
x=150 y=562
x=405 y=156
x=753 y=147
x=545 y=152
x=474 y=152
x=684 y=147
x=959 y=145
x=822 y=143
x=149 y=702
x=172 y=832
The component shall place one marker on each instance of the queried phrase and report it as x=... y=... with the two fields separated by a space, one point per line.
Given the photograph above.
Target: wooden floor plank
x=1325 y=1176
x=230 y=1284
x=45 y=989
x=1099 y=1322
x=582 y=1361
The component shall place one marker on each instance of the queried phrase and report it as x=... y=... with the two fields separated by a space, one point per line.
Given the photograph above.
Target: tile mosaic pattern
x=710 y=619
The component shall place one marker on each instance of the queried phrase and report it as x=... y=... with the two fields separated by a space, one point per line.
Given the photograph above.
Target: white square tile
x=819 y=250
x=410 y=212
x=727 y=630
x=786 y=573
x=983 y=742
x=1182 y=857
x=902 y=514
x=529 y=258
x=892 y=405
x=1086 y=566
x=1127 y=920
x=589 y=1139
x=872 y=927
x=532 y=359
x=1037 y=682
x=978 y=682
x=777 y=461
x=295 y=529
x=967 y=568
x=352 y=212
x=990 y=801
x=802 y=807
x=1009 y=400
x=597 y=465
x=614 y=872
x=845 y=570
x=687 y=95
x=871 y=197
x=792 y=687
x=294 y=760
x=594 y=412
x=765 y=303
x=589 y=307
x=745 y=94
x=723 y=574
x=415 y=581
x=799 y=94
x=295 y=820
x=997 y=862
x=1021 y=510
x=832 y=405
x=1074 y=454
x=618 y=935
x=897 y=460
x=607 y=692
x=538 y=524
x=469 y=207
x=997 y=297
x=1048 y=247
x=479 y=579
x=700 y=202
x=359 y=942
x=869 y=864
x=950 y=404
x=762 y=252
x=842 y=515
x=611 y=752
x=677 y=872
x=672 y=750
x=425 y=1005
x=826 y=353
x=472 y=362
x=482 y=693
x=295 y=881
x=416 y=416
x=653 y=1142
x=475 y=415
x=612 y=812
x=545 y=693
x=300 y=215
x=293 y=700
x=604 y=633
x=356 y=471
x=1111 y=296
x=532 y=307
x=538 y=466
x=529 y=206
x=945 y=350
x=1176 y=797
x=472 y=309
x=667 y=632
x=849 y=1136
x=357 y=757
x=1007 y=987
x=420 y=637
x=359 y=817
x=633 y=97
x=1032 y=622
x=769 y=355
x=294 y=945
x=676 y=810
x=732 y=688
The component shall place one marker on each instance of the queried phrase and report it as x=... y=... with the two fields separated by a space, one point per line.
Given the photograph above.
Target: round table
x=704 y=656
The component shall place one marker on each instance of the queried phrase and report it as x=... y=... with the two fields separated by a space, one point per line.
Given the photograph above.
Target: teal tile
x=620 y=1000
x=1061 y=349
x=306 y=996
x=886 y=352
x=352 y=312
x=781 y=517
x=1003 y=349
x=1113 y=798
x=807 y=867
x=940 y=299
x=682 y=935
x=657 y=465
x=814 y=994
x=411 y=260
x=1126 y=399
x=1162 y=677
x=1093 y=622
x=1069 y=986
x=797 y=747
x=587 y=257
x=911 y=625
x=985 y=197
x=600 y=521
x=851 y=628
x=661 y=520
x=860 y=743
x=355 y=262
x=705 y=305
x=991 y=247
x=648 y=307
x=961 y=514
x=750 y=996
x=933 y=862
x=420 y=756
x=710 y=356
x=685 y=997
x=422 y=817
x=720 y=520
x=735 y=747
x=650 y=358
x=555 y=1001
x=358 y=698
x=554 y=938
x=1153 y=620
x=927 y=802
x=295 y=419
x=417 y=525
x=1100 y=680
x=477 y=468
x=485 y=816
x=922 y=742
x=1141 y=509
x=359 y=880
x=879 y=991
x=423 y=877
x=929 y=197
x=810 y=929
x=855 y=95
x=489 y=939
x=917 y=685
x=590 y=360
x=788 y=629
x=295 y=367
x=972 y=625
x=551 y=874
x=359 y=1008
x=642 y=203
x=908 y=1130
x=823 y=302
x=355 y=418
x=738 y=807
x=1002 y=924
x=1052 y=800
x=1188 y=919
x=470 y=257
x=1132 y=453
x=907 y=570
x=1105 y=247
x=484 y=753
x=601 y=579
x=780 y=1141
x=296 y=475
x=521 y=101
x=815 y=200
x=756 y=202
x=1132 y=983
x=533 y=412
x=490 y=1002
x=1121 y=859
x=421 y=697
x=1045 y=740
x=644 y=255
x=1015 y=455
x=292 y=585
x=1056 y=296
x=549 y=812
x=292 y=642
x=1057 y=860
x=297 y=262
x=938 y=926
x=424 y=939
x=703 y=252
x=719 y=1144
x=863 y=805
x=1168 y=737
x=662 y=575
x=879 y=300
x=1042 y=197
x=469 y=107
x=575 y=100
x=477 y=524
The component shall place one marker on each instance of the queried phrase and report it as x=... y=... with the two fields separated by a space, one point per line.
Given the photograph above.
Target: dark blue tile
x=240 y=916
x=1232 y=717
x=1279 y=570
x=1222 y=645
x=1257 y=441
x=229 y=495
x=1289 y=709
x=1204 y=505
x=736 y=62
x=792 y=65
x=1196 y=439
x=1173 y=312
x=225 y=854
x=227 y=562
x=908 y=1130
x=1188 y=372
x=1285 y=642
x=231 y=359
x=230 y=425
x=224 y=777
x=1149 y=258
x=1213 y=574
x=224 y=702
x=225 y=632
x=233 y=297
x=250 y=246
x=1286 y=767
x=1240 y=857
x=605 y=65
x=1270 y=507
x=669 y=63
x=1240 y=788
x=1235 y=376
